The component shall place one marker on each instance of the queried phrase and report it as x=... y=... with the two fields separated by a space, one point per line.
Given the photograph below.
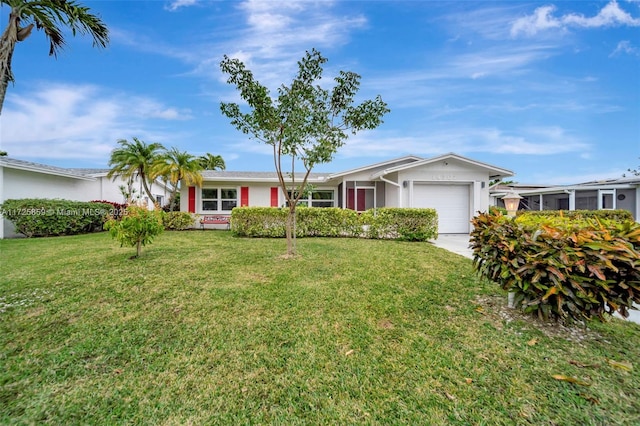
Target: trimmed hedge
x=38 y=217
x=560 y=267
x=383 y=223
x=580 y=214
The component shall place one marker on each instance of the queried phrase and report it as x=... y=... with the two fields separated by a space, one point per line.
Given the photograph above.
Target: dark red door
x=362 y=205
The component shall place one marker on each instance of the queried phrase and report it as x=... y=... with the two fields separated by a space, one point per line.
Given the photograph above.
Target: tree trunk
x=138 y=248
x=172 y=197
x=7 y=46
x=143 y=178
x=291 y=248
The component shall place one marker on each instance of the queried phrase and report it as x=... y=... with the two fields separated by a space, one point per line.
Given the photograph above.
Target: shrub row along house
x=24 y=179
x=456 y=186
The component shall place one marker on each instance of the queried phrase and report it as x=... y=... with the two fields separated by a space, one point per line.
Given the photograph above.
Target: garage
x=450 y=201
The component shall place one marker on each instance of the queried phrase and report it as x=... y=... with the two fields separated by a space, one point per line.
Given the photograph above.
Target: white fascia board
x=500 y=172
x=258 y=180
x=28 y=168
x=373 y=166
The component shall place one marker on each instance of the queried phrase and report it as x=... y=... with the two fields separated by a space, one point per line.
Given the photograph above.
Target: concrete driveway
x=459 y=244
x=456 y=243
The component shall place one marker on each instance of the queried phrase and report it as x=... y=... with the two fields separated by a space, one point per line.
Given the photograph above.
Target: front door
x=361 y=200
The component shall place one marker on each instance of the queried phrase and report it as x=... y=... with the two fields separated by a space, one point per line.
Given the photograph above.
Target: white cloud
x=543 y=141
x=610 y=15
x=539 y=21
x=625 y=47
x=78 y=121
x=542 y=19
x=177 y=4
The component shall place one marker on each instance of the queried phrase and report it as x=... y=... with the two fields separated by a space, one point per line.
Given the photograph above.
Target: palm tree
x=211 y=162
x=51 y=16
x=137 y=158
x=180 y=166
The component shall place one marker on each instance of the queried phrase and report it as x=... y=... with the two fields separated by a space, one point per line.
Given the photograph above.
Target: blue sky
x=550 y=90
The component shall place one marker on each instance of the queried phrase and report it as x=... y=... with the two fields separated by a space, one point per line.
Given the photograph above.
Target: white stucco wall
x=17 y=184
x=447 y=172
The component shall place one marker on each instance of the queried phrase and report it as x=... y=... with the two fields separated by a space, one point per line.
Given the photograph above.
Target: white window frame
x=602 y=193
x=309 y=200
x=219 y=199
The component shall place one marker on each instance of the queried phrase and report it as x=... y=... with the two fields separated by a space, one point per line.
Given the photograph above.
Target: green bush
x=177 y=221
x=497 y=210
x=402 y=224
x=39 y=217
x=580 y=214
x=137 y=227
x=259 y=222
x=327 y=222
x=560 y=267
x=387 y=223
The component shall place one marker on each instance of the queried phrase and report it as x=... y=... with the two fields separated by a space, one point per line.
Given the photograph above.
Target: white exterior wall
x=392 y=192
x=451 y=173
x=18 y=184
x=260 y=195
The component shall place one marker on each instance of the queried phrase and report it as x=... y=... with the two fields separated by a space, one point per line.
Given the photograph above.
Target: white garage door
x=450 y=201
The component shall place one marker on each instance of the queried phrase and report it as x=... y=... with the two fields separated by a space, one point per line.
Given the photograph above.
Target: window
x=229 y=198
x=318 y=198
x=219 y=199
x=322 y=199
x=209 y=199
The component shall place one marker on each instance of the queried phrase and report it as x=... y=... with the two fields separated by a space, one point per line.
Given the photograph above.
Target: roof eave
x=46 y=171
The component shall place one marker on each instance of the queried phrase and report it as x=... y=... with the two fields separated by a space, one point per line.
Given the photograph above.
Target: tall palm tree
x=180 y=166
x=50 y=16
x=211 y=162
x=137 y=158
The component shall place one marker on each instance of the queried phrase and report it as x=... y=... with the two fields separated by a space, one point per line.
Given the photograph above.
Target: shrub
x=558 y=267
x=177 y=221
x=401 y=223
x=497 y=210
x=137 y=227
x=392 y=223
x=327 y=222
x=39 y=217
x=259 y=221
x=117 y=209
x=620 y=215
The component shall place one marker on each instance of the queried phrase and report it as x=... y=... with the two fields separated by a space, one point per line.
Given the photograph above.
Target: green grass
x=205 y=328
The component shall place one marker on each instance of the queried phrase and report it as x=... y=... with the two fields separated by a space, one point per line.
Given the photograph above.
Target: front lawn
x=206 y=328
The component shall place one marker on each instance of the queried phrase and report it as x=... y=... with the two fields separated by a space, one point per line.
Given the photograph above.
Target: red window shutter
x=244 y=196
x=192 y=199
x=274 y=197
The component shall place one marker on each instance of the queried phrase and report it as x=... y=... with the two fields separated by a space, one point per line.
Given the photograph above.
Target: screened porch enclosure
x=361 y=195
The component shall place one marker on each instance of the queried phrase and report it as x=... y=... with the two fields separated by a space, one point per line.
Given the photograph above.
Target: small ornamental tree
x=306 y=122
x=137 y=227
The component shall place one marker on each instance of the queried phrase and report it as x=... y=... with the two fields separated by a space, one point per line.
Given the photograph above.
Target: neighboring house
x=457 y=187
x=621 y=193
x=24 y=179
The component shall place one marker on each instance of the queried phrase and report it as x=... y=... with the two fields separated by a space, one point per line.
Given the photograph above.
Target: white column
x=478 y=205
x=572 y=199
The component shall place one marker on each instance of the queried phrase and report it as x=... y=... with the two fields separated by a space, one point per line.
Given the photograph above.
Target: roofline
x=49 y=170
x=320 y=179
x=577 y=187
x=503 y=172
x=372 y=166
